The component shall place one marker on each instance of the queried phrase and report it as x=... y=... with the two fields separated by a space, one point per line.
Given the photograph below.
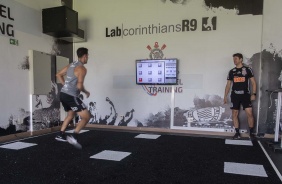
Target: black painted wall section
x=255 y=60
x=61 y=47
x=254 y=7
x=65 y=50
x=271 y=66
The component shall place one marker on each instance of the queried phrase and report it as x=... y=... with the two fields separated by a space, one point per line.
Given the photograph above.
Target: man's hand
x=225 y=100
x=226 y=92
x=253 y=97
x=87 y=94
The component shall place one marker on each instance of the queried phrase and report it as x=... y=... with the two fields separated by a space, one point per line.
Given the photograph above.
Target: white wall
x=205 y=56
x=14 y=81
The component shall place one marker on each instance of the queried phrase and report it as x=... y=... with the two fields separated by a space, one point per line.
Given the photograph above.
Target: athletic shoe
x=73 y=142
x=237 y=136
x=61 y=137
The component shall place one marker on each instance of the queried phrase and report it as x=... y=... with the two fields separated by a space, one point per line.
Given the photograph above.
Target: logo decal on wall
x=6 y=28
x=156 y=52
x=185 y=25
x=209 y=23
x=153 y=90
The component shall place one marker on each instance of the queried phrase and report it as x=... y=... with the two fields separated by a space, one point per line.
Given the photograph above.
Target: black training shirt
x=240 y=78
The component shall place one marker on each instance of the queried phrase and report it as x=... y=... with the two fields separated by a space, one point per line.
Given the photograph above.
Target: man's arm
x=227 y=89
x=60 y=75
x=254 y=88
x=80 y=73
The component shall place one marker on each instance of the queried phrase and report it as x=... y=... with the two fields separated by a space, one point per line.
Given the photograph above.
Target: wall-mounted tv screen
x=156 y=71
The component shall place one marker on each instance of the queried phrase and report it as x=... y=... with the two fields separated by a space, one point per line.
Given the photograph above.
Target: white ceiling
x=40 y=4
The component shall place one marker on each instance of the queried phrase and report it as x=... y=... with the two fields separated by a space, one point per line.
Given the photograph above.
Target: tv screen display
x=156 y=71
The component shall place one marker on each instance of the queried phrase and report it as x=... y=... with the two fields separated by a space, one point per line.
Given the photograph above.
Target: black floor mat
x=168 y=159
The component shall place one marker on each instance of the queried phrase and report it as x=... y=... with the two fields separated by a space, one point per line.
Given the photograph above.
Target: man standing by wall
x=239 y=78
x=69 y=96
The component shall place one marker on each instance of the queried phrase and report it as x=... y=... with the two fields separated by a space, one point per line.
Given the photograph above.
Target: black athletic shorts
x=71 y=103
x=238 y=99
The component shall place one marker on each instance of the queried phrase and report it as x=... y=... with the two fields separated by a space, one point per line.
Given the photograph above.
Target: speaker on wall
x=60 y=21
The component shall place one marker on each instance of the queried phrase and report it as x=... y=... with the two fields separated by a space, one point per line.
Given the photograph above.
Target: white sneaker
x=73 y=142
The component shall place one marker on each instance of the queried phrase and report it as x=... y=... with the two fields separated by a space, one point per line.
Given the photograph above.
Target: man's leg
x=247 y=105
x=235 y=107
x=249 y=112
x=235 y=114
x=61 y=135
x=85 y=117
x=251 y=121
x=67 y=120
x=235 y=119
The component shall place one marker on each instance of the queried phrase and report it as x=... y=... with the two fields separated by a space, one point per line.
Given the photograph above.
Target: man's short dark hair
x=239 y=55
x=81 y=51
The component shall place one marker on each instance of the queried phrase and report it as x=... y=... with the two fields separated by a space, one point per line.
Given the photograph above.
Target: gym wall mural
x=242 y=7
x=45 y=108
x=15 y=105
x=202 y=40
x=204 y=53
x=271 y=67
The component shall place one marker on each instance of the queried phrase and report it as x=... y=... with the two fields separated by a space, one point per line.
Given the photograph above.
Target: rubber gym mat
x=167 y=159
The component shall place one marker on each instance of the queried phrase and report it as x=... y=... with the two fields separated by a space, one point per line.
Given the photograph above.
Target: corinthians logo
x=157 y=53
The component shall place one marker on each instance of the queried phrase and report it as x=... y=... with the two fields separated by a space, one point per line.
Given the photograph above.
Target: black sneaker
x=252 y=136
x=72 y=140
x=61 y=137
x=237 y=136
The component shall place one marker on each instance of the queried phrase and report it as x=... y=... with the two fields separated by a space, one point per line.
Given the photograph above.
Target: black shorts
x=238 y=99
x=71 y=103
